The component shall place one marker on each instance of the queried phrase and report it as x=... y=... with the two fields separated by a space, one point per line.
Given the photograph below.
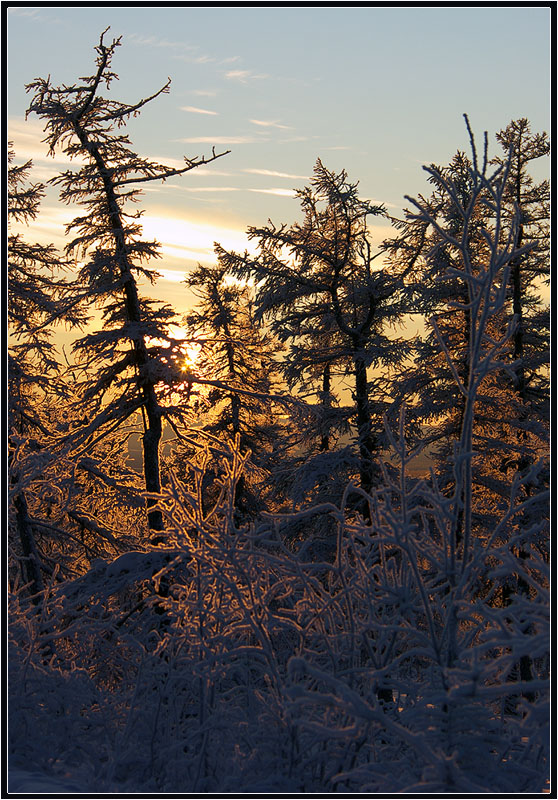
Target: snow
x=23 y=781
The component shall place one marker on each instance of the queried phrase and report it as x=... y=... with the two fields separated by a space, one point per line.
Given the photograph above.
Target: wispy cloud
x=220 y=140
x=193 y=59
x=290 y=139
x=273 y=174
x=269 y=124
x=176 y=276
x=156 y=41
x=205 y=92
x=376 y=202
x=209 y=172
x=183 y=51
x=338 y=147
x=195 y=110
x=27 y=136
x=192 y=240
x=196 y=189
x=244 y=75
x=277 y=192
x=238 y=74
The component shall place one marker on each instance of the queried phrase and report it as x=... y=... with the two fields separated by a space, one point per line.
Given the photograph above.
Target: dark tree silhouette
x=38 y=297
x=237 y=358
x=319 y=284
x=530 y=271
x=126 y=353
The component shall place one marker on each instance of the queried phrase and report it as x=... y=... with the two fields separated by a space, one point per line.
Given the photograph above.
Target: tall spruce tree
x=528 y=434
x=529 y=272
x=133 y=353
x=237 y=360
x=319 y=285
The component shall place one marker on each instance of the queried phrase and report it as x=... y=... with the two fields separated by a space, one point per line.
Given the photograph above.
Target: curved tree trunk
x=153 y=432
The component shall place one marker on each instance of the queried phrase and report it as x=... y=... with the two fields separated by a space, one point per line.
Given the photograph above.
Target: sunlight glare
x=186 y=239
x=190 y=350
x=191 y=356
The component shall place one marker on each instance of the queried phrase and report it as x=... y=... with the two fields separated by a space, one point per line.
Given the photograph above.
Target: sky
x=378 y=91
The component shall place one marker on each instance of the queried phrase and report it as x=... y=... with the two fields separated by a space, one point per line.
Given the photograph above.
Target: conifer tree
x=508 y=435
x=237 y=359
x=60 y=507
x=530 y=272
x=510 y=431
x=440 y=292
x=318 y=283
x=132 y=354
x=527 y=432
x=530 y=198
x=38 y=296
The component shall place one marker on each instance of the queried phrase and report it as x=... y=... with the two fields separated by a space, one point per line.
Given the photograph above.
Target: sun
x=189 y=349
x=191 y=356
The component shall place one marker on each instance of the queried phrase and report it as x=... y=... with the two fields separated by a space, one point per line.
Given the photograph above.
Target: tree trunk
x=240 y=488
x=152 y=434
x=518 y=313
x=326 y=400
x=151 y=470
x=366 y=439
x=31 y=569
x=525 y=663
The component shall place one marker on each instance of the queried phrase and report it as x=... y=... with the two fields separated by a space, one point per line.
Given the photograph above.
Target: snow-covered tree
x=509 y=437
x=530 y=272
x=38 y=297
x=318 y=283
x=132 y=354
x=509 y=430
x=236 y=364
